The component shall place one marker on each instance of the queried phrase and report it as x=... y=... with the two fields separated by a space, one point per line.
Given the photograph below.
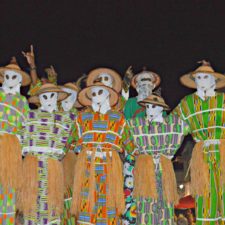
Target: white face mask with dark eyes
x=154 y=112
x=100 y=99
x=69 y=102
x=206 y=85
x=12 y=82
x=145 y=85
x=48 y=101
x=106 y=79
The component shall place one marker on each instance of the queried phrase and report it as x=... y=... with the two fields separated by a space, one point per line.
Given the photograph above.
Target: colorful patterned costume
x=156 y=139
x=13 y=110
x=206 y=119
x=98 y=139
x=45 y=135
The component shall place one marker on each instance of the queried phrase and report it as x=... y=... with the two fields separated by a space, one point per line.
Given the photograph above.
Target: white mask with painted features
x=145 y=85
x=206 y=85
x=154 y=112
x=12 y=82
x=69 y=102
x=49 y=101
x=100 y=99
x=106 y=79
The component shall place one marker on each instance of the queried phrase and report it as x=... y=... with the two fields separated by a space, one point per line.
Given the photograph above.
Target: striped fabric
x=13 y=110
x=157 y=139
x=105 y=132
x=206 y=119
x=45 y=135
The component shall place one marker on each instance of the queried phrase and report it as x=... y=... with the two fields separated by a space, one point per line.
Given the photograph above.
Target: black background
x=168 y=37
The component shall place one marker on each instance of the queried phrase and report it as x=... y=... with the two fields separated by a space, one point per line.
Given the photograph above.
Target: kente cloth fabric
x=44 y=136
x=108 y=132
x=133 y=109
x=156 y=139
x=206 y=119
x=13 y=110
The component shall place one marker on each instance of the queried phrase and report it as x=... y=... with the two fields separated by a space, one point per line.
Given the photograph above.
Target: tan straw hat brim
x=117 y=81
x=26 y=80
x=188 y=80
x=85 y=98
x=156 y=81
x=151 y=101
x=61 y=94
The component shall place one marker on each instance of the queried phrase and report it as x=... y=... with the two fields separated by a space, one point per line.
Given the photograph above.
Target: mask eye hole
x=199 y=77
x=7 y=76
x=100 y=79
x=106 y=78
x=147 y=106
x=206 y=77
x=45 y=97
x=100 y=92
x=153 y=106
x=14 y=77
x=93 y=94
x=52 y=95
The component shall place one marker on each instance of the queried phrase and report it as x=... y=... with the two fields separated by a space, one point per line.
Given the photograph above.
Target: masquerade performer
x=157 y=139
x=144 y=82
x=98 y=135
x=112 y=79
x=13 y=110
x=69 y=105
x=45 y=134
x=204 y=111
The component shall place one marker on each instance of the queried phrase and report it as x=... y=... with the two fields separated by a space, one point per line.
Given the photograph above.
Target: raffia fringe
x=55 y=187
x=30 y=185
x=200 y=176
x=169 y=180
x=144 y=177
x=68 y=169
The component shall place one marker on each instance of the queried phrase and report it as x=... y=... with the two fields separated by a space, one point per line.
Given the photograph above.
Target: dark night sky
x=168 y=37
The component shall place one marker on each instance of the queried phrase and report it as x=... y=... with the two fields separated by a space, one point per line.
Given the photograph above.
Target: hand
x=52 y=75
x=30 y=56
x=129 y=73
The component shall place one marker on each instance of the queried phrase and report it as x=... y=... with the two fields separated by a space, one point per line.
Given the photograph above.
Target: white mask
x=48 y=101
x=206 y=85
x=12 y=82
x=144 y=85
x=154 y=112
x=69 y=102
x=106 y=79
x=100 y=99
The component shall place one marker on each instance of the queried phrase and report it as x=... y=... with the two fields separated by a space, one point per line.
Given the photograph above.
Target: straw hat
x=26 y=80
x=73 y=87
x=188 y=79
x=85 y=98
x=155 y=75
x=155 y=100
x=93 y=75
x=45 y=88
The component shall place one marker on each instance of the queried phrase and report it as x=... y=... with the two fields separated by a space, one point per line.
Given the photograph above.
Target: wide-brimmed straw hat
x=73 y=87
x=188 y=79
x=156 y=80
x=94 y=74
x=13 y=65
x=85 y=96
x=46 y=88
x=155 y=100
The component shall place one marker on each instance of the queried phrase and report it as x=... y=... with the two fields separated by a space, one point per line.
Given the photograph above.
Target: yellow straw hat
x=85 y=97
x=13 y=65
x=94 y=74
x=155 y=100
x=156 y=81
x=49 y=87
x=188 y=79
